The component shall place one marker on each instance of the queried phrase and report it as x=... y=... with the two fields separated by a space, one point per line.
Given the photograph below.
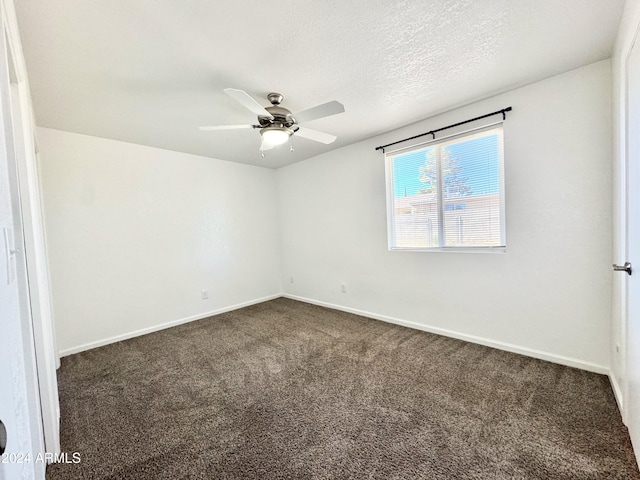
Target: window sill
x=490 y=250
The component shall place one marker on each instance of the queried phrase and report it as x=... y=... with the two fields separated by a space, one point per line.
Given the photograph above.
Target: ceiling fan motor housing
x=281 y=116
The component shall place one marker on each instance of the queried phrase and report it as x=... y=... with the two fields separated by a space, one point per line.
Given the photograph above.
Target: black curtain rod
x=433 y=132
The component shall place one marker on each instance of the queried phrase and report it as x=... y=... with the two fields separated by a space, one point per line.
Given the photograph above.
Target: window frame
x=439 y=143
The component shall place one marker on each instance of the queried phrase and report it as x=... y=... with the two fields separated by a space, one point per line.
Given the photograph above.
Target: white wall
x=135 y=233
x=548 y=296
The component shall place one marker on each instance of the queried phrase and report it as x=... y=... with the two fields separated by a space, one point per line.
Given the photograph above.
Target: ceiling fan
x=276 y=123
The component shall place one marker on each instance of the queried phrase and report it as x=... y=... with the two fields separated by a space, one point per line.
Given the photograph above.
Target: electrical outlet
x=205 y=294
x=343 y=288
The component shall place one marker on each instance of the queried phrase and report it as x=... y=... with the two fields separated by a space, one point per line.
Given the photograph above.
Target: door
x=633 y=247
x=19 y=395
x=35 y=278
x=35 y=253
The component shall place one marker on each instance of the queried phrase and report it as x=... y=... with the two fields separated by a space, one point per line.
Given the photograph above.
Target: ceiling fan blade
x=247 y=101
x=223 y=127
x=315 y=135
x=319 y=111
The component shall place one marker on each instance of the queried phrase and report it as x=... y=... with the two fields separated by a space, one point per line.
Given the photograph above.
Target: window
x=448 y=194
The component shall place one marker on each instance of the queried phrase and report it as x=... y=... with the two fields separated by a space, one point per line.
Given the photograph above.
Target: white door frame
x=33 y=229
x=631 y=289
x=20 y=404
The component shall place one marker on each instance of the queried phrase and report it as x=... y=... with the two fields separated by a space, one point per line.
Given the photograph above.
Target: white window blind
x=447 y=194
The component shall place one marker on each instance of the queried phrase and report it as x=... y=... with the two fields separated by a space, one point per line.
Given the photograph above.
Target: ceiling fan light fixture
x=276 y=135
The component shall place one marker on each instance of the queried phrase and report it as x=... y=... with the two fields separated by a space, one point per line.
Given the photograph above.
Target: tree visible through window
x=447 y=194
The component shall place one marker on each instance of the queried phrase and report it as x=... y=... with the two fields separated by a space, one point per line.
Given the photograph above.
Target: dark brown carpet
x=287 y=390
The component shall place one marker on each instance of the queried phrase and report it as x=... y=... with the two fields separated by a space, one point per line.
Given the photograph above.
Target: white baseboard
x=562 y=360
x=617 y=393
x=162 y=326
x=529 y=352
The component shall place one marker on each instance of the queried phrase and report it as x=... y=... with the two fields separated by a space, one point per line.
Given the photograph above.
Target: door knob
x=623 y=268
x=3 y=438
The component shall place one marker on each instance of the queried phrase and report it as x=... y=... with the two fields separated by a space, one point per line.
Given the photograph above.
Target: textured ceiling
x=151 y=71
